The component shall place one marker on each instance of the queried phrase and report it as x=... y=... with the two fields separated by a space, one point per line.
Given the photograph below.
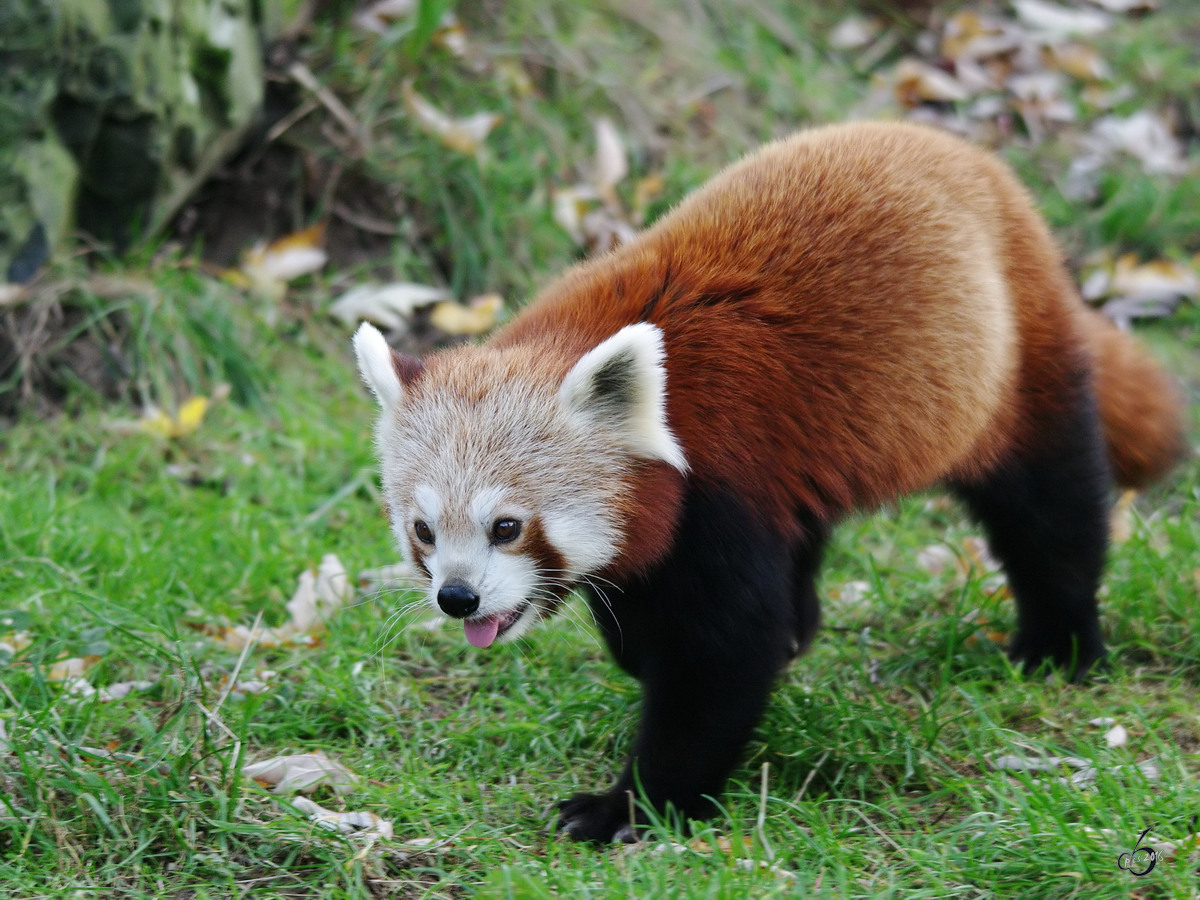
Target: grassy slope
x=884 y=726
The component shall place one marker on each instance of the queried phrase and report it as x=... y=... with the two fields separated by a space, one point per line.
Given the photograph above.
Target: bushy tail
x=1140 y=406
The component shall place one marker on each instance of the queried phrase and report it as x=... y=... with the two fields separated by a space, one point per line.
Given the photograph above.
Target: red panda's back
x=843 y=313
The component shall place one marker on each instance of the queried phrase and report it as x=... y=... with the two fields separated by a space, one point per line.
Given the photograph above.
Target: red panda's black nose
x=457 y=600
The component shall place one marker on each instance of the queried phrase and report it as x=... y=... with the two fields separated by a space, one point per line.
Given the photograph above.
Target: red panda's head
x=504 y=477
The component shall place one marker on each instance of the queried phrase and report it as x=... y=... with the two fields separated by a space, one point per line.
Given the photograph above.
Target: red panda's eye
x=424 y=532
x=505 y=530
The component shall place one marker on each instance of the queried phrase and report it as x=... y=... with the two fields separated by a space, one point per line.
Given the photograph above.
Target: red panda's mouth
x=483 y=632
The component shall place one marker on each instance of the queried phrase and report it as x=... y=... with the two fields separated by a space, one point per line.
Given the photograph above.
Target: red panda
x=846 y=315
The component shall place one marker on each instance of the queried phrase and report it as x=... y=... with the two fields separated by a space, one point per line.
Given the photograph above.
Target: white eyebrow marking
x=483 y=505
x=429 y=504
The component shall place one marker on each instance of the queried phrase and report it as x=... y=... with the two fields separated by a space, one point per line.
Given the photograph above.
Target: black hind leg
x=1046 y=515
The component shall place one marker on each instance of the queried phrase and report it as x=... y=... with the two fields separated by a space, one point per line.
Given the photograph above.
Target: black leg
x=706 y=632
x=1046 y=516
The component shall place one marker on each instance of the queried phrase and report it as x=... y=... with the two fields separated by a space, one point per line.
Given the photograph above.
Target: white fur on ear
x=375 y=365
x=621 y=385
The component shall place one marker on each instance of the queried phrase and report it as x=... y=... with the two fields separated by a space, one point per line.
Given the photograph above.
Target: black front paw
x=599 y=818
x=1076 y=655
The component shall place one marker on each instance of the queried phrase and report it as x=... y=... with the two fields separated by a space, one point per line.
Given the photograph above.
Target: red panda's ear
x=409 y=368
x=382 y=371
x=620 y=386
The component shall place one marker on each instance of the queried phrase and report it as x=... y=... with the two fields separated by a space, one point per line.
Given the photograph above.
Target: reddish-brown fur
x=805 y=296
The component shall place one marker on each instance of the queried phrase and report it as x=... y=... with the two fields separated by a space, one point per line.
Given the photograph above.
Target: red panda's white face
x=504 y=484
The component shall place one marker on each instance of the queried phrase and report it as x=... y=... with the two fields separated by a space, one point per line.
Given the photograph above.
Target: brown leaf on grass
x=379 y=15
x=604 y=229
x=303 y=772
x=1116 y=736
x=936 y=558
x=1040 y=99
x=1078 y=60
x=390 y=305
x=915 y=81
x=11 y=294
x=1128 y=289
x=980 y=554
x=318 y=596
x=356 y=823
x=1120 y=520
x=1085 y=772
x=852 y=595
x=13 y=643
x=611 y=164
x=267 y=268
x=1145 y=136
x=855 y=32
x=464 y=134
x=74 y=667
x=477 y=317
x=592 y=212
x=1053 y=20
x=187 y=420
x=969 y=35
x=259 y=684
x=81 y=689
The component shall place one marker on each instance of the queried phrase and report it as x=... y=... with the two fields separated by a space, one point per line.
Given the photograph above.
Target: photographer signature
x=1139 y=861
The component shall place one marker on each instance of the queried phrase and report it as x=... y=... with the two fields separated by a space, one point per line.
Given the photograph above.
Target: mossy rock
x=112 y=111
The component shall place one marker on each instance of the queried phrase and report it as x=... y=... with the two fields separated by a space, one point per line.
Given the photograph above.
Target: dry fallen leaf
x=915 y=81
x=318 y=596
x=1146 y=137
x=14 y=642
x=980 y=554
x=464 y=134
x=603 y=229
x=66 y=669
x=936 y=558
x=611 y=164
x=1079 y=61
x=345 y=822
x=1060 y=21
x=389 y=305
x=82 y=689
x=260 y=683
x=304 y=772
x=1085 y=771
x=1116 y=736
x=852 y=595
x=380 y=14
x=970 y=36
x=11 y=293
x=1040 y=99
x=270 y=267
x=1157 y=279
x=1133 y=290
x=571 y=205
x=186 y=421
x=854 y=32
x=476 y=318
x=1120 y=520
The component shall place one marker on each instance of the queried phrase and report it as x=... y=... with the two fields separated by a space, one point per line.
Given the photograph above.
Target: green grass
x=876 y=744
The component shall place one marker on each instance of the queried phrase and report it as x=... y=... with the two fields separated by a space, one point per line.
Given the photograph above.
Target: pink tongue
x=483 y=632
